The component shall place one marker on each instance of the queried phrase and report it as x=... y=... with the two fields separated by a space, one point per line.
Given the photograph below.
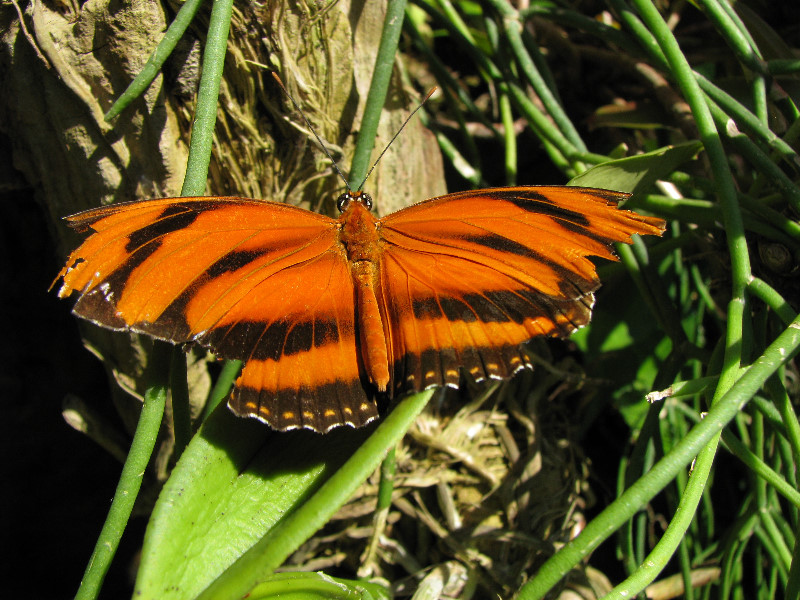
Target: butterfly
x=330 y=314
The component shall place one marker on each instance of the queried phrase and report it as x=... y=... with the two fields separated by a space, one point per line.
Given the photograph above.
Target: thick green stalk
x=130 y=482
x=376 y=98
x=735 y=34
x=155 y=397
x=205 y=116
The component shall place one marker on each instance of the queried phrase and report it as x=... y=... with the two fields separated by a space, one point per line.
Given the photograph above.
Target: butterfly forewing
x=148 y=262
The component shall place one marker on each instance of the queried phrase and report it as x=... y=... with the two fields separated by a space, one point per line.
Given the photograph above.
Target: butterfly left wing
x=259 y=281
x=467 y=277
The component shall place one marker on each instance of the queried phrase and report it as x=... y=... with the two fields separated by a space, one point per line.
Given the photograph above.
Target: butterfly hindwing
x=304 y=367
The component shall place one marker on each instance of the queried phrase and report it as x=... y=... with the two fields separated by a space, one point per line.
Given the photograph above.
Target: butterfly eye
x=343 y=201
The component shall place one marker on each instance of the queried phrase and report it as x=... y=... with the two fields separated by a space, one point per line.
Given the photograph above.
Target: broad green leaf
x=234 y=482
x=637 y=173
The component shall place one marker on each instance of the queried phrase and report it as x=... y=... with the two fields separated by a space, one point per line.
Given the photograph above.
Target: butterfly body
x=327 y=313
x=359 y=236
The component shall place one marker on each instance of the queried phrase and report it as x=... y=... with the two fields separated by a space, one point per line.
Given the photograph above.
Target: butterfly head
x=349 y=197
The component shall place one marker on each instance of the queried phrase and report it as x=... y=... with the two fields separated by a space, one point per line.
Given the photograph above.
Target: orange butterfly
x=328 y=313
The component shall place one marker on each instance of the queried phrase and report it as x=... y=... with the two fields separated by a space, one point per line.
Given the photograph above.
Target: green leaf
x=308 y=586
x=637 y=173
x=235 y=481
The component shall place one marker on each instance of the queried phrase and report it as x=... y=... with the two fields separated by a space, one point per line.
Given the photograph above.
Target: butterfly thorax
x=358 y=230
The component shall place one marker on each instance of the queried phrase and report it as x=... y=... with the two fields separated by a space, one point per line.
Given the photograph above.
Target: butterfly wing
x=264 y=282
x=467 y=277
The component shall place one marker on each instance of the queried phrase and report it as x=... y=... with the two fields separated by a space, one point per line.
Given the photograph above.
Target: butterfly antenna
x=408 y=118
x=311 y=129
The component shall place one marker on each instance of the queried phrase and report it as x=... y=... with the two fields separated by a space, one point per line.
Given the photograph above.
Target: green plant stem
x=130 y=481
x=735 y=34
x=221 y=389
x=755 y=155
x=640 y=32
x=450 y=86
x=155 y=396
x=205 y=116
x=461 y=32
x=512 y=27
x=509 y=139
x=749 y=121
x=783 y=66
x=793 y=581
x=785 y=346
x=634 y=257
x=740 y=264
x=688 y=85
x=376 y=98
x=758 y=288
x=270 y=552
x=770 y=216
x=370 y=558
x=153 y=65
x=788 y=417
x=541 y=124
x=572 y=18
x=760 y=468
x=386 y=485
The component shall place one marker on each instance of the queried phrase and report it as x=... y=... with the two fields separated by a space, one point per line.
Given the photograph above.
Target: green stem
x=230 y=370
x=767 y=294
x=181 y=409
x=509 y=139
x=745 y=119
x=760 y=468
x=664 y=550
x=793 y=582
x=376 y=98
x=780 y=398
x=130 y=482
x=205 y=116
x=735 y=34
x=512 y=27
x=157 y=59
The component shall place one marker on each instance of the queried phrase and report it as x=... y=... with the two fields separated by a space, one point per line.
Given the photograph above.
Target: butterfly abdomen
x=370 y=324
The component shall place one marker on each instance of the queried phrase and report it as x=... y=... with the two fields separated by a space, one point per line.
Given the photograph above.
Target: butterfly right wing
x=467 y=277
x=263 y=282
